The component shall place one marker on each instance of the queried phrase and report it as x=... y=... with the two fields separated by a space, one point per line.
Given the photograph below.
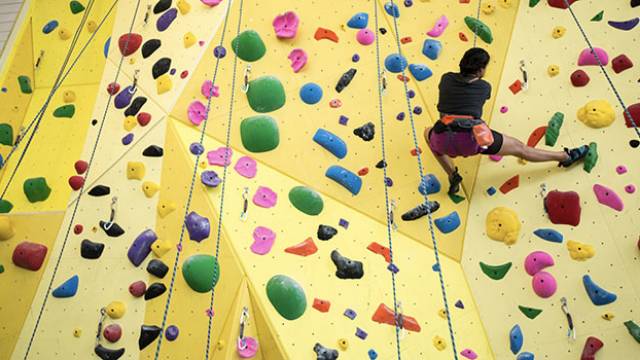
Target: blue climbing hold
x=346 y=178
x=525 y=356
x=358 y=21
x=311 y=93
x=598 y=295
x=331 y=142
x=420 y=72
x=127 y=139
x=516 y=339
x=373 y=355
x=432 y=48
x=392 y=9
x=491 y=191
x=429 y=185
x=395 y=63
x=106 y=47
x=549 y=235
x=448 y=223
x=50 y=26
x=67 y=289
x=435 y=267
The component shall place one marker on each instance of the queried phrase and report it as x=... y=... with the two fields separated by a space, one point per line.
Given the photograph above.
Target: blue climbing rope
x=603 y=69
x=436 y=252
x=475 y=31
x=75 y=208
x=195 y=171
x=384 y=181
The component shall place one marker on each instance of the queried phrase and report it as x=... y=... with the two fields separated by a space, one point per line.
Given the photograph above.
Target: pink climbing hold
x=495 y=158
x=112 y=332
x=197 y=112
x=211 y=3
x=536 y=261
x=298 y=58
x=439 y=27
x=246 y=167
x=544 y=284
x=469 y=354
x=365 y=36
x=587 y=58
x=504 y=109
x=286 y=25
x=265 y=197
x=630 y=189
x=220 y=156
x=621 y=169
x=608 y=197
x=137 y=289
x=208 y=89
x=263 y=239
x=621 y=63
x=247 y=347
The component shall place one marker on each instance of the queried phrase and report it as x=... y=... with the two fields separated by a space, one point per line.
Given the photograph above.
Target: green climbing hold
x=6 y=134
x=553 y=129
x=531 y=313
x=5 y=206
x=25 y=84
x=306 y=200
x=634 y=329
x=259 y=133
x=76 y=7
x=36 y=189
x=286 y=296
x=480 y=28
x=592 y=158
x=495 y=272
x=456 y=198
x=1 y=269
x=65 y=111
x=266 y=94
x=533 y=3
x=201 y=272
x=598 y=16
x=248 y=46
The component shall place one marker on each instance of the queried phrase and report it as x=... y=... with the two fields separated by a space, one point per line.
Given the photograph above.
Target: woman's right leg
x=514 y=147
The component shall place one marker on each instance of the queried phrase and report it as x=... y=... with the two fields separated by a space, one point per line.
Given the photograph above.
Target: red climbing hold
x=384 y=315
x=563 y=207
x=382 y=250
x=81 y=166
x=635 y=114
x=579 y=78
x=621 y=63
x=305 y=248
x=462 y=37
x=516 y=87
x=416 y=151
x=143 y=118
x=129 y=43
x=323 y=33
x=137 y=288
x=536 y=136
x=560 y=3
x=510 y=184
x=591 y=347
x=403 y=78
x=364 y=171
x=29 y=255
x=76 y=182
x=406 y=40
x=465 y=1
x=78 y=229
x=184 y=74
x=321 y=305
x=113 y=88
x=112 y=332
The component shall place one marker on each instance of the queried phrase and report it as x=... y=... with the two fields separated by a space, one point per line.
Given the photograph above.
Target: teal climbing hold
x=249 y=45
x=553 y=129
x=259 y=133
x=6 y=134
x=76 y=7
x=432 y=48
x=5 y=206
x=65 y=111
x=529 y=312
x=533 y=3
x=549 y=235
x=420 y=72
x=344 y=177
x=495 y=272
x=449 y=223
x=306 y=200
x=1 y=268
x=634 y=329
x=598 y=295
x=516 y=339
x=480 y=28
x=25 y=84
x=201 y=272
x=36 y=189
x=67 y=288
x=286 y=296
x=266 y=94
x=395 y=63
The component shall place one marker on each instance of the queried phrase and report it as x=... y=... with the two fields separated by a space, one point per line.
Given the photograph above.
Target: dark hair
x=474 y=60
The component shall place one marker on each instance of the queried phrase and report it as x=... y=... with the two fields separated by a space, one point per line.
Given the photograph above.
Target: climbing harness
x=245 y=83
x=245 y=204
x=525 y=76
x=571 y=332
x=112 y=217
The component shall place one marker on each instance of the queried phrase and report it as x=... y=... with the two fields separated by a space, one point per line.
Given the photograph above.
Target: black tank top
x=460 y=97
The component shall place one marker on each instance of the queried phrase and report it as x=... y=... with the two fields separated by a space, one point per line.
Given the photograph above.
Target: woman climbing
x=461 y=132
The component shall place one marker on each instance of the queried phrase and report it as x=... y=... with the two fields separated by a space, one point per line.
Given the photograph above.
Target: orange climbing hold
x=323 y=33
x=516 y=87
x=305 y=248
x=384 y=315
x=403 y=78
x=321 y=305
x=536 y=136
x=463 y=37
x=364 y=171
x=381 y=250
x=510 y=184
x=406 y=40
x=416 y=151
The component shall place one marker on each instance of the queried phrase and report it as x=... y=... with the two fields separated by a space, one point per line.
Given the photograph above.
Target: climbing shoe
x=575 y=155
x=454 y=182
x=428 y=207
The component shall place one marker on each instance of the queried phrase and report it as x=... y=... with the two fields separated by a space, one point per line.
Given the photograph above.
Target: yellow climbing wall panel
x=613 y=234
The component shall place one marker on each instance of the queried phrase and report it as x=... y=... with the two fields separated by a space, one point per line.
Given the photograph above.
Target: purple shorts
x=456 y=144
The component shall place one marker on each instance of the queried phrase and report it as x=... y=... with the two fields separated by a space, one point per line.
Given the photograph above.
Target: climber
x=461 y=132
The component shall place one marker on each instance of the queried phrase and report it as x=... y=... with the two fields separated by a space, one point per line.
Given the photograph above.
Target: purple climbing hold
x=417 y=110
x=459 y=304
x=393 y=268
x=411 y=94
x=172 y=71
x=141 y=247
x=123 y=99
x=127 y=139
x=408 y=3
x=166 y=19
x=196 y=148
x=197 y=226
x=350 y=313
x=210 y=178
x=361 y=333
x=355 y=58
x=171 y=333
x=219 y=52
x=344 y=223
x=400 y=116
x=388 y=181
x=343 y=120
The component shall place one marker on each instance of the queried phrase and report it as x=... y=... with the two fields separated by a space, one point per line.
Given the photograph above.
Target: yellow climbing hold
x=184 y=7
x=558 y=32
x=6 y=228
x=503 y=225
x=130 y=123
x=91 y=26
x=64 y=33
x=439 y=343
x=116 y=309
x=163 y=84
x=505 y=3
x=579 y=251
x=77 y=332
x=132 y=60
x=150 y=188
x=189 y=39
x=608 y=316
x=553 y=70
x=160 y=247
x=165 y=207
x=343 y=344
x=203 y=164
x=442 y=313
x=135 y=170
x=69 y=96
x=220 y=345
x=597 y=114
x=488 y=8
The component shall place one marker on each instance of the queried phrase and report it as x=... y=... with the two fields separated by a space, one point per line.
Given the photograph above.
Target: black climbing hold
x=324 y=353
x=135 y=106
x=347 y=268
x=365 y=132
x=154 y=290
x=326 y=232
x=161 y=6
x=383 y=31
x=634 y=143
x=108 y=354
x=94 y=122
x=635 y=3
x=90 y=249
x=100 y=190
x=345 y=79
x=111 y=229
x=161 y=67
x=157 y=268
x=381 y=164
x=148 y=333
x=153 y=151
x=149 y=47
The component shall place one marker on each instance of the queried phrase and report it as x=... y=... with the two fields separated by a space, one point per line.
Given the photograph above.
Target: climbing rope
x=603 y=69
x=194 y=174
x=475 y=31
x=436 y=252
x=75 y=208
x=384 y=172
